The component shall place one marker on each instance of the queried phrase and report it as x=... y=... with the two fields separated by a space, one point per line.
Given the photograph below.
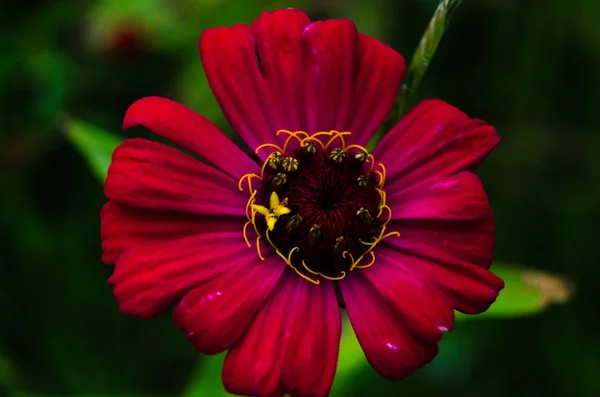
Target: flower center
x=320 y=206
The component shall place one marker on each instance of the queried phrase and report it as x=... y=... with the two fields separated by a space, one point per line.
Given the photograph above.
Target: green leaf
x=206 y=379
x=7 y=371
x=351 y=360
x=526 y=292
x=95 y=144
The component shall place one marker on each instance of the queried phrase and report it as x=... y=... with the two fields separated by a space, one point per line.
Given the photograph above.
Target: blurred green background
x=529 y=67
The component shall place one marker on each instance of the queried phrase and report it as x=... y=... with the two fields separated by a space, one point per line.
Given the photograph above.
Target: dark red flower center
x=320 y=206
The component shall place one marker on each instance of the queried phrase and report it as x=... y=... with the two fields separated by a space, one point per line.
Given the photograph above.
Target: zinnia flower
x=260 y=250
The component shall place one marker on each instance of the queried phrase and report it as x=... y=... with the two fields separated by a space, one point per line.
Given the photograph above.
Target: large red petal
x=231 y=66
x=472 y=288
x=378 y=73
x=452 y=198
x=331 y=50
x=424 y=309
x=434 y=139
x=253 y=365
x=279 y=47
x=216 y=314
x=312 y=339
x=148 y=278
x=190 y=131
x=388 y=345
x=151 y=175
x=470 y=241
x=122 y=227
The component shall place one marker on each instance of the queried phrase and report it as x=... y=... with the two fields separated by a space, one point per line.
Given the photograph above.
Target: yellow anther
x=337 y=155
x=290 y=164
x=274 y=160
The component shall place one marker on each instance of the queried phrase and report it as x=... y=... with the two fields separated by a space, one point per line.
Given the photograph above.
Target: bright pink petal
x=122 y=227
x=151 y=175
x=472 y=288
x=424 y=309
x=434 y=139
x=467 y=241
x=190 y=131
x=148 y=278
x=383 y=335
x=452 y=198
x=312 y=339
x=216 y=314
x=287 y=73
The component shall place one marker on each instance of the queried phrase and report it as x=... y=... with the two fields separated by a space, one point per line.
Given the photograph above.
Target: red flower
x=405 y=234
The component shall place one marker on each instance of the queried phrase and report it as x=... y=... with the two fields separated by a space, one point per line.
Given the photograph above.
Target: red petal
x=253 y=365
x=190 y=131
x=331 y=49
x=446 y=242
x=279 y=47
x=148 y=278
x=433 y=139
x=472 y=288
x=151 y=175
x=312 y=338
x=215 y=315
x=456 y=197
x=230 y=62
x=423 y=308
x=388 y=345
x=379 y=71
x=123 y=227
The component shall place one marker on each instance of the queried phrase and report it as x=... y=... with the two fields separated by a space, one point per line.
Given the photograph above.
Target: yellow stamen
x=245 y=231
x=308 y=269
x=292 y=135
x=258 y=248
x=313 y=139
x=338 y=135
x=264 y=145
x=383 y=175
x=368 y=264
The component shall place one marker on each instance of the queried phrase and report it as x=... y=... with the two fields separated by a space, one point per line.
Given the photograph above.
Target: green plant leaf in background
x=206 y=379
x=526 y=292
x=95 y=144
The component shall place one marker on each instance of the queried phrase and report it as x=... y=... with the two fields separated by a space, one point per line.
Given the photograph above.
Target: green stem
x=419 y=63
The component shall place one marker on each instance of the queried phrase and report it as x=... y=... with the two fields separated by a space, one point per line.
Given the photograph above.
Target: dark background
x=529 y=67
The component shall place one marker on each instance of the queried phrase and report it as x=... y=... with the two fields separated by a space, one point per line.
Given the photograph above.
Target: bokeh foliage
x=70 y=67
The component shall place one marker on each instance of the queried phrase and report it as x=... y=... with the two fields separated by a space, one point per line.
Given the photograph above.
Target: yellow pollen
x=275 y=210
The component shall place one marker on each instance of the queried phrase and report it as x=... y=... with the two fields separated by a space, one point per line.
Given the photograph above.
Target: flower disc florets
x=319 y=203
